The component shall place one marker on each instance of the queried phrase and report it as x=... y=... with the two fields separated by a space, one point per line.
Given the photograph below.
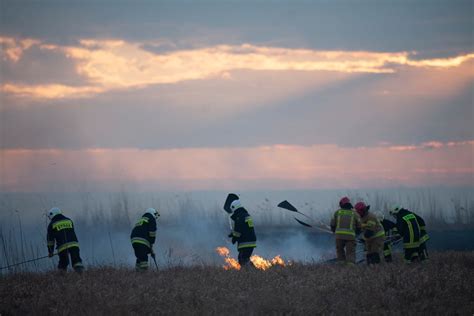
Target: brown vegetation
x=442 y=286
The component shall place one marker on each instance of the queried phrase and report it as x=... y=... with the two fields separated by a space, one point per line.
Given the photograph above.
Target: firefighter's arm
x=50 y=240
x=358 y=226
x=238 y=228
x=152 y=232
x=421 y=221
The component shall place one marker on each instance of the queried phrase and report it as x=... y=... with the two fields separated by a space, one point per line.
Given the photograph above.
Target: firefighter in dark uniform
x=391 y=234
x=143 y=237
x=410 y=230
x=61 y=232
x=243 y=233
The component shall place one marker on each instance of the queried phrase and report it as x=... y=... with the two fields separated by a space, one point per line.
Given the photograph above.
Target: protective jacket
x=243 y=231
x=61 y=231
x=346 y=224
x=371 y=227
x=144 y=231
x=409 y=228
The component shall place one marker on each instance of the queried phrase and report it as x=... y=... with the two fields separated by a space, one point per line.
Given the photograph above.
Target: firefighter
x=143 y=237
x=243 y=232
x=409 y=229
x=374 y=233
x=391 y=234
x=346 y=225
x=61 y=232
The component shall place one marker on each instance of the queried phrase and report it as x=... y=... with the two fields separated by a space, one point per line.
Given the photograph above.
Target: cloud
x=117 y=64
x=278 y=166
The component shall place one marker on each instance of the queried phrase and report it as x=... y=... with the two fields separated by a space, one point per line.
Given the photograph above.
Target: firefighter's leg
x=341 y=254
x=423 y=252
x=350 y=251
x=411 y=255
x=63 y=260
x=387 y=251
x=377 y=249
x=141 y=252
x=76 y=259
x=244 y=257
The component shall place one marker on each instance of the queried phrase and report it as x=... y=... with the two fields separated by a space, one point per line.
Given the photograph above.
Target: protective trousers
x=75 y=259
x=345 y=250
x=374 y=249
x=141 y=252
x=411 y=255
x=244 y=256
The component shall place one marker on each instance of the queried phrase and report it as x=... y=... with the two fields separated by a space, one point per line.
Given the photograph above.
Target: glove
x=230 y=235
x=234 y=240
x=152 y=253
x=50 y=254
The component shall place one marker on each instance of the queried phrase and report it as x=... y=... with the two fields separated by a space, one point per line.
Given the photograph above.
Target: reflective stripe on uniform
x=143 y=241
x=50 y=243
x=388 y=250
x=236 y=234
x=251 y=244
x=409 y=245
x=345 y=230
x=424 y=238
x=77 y=264
x=152 y=234
x=68 y=245
x=64 y=224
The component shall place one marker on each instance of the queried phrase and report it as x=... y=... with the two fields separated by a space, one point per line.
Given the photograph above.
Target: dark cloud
x=437 y=27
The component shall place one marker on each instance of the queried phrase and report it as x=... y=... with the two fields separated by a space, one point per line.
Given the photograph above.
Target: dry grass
x=442 y=286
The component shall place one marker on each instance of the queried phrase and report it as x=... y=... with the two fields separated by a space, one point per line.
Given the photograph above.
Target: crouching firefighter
x=143 y=237
x=409 y=228
x=391 y=235
x=373 y=233
x=346 y=225
x=61 y=231
x=243 y=232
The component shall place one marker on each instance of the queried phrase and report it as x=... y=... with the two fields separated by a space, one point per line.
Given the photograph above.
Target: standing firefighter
x=374 y=234
x=61 y=232
x=391 y=234
x=243 y=231
x=346 y=225
x=409 y=228
x=143 y=237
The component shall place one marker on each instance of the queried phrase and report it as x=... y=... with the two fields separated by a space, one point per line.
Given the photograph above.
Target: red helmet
x=361 y=208
x=345 y=200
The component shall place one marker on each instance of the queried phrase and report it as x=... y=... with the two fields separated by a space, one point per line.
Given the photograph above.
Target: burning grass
x=442 y=286
x=257 y=261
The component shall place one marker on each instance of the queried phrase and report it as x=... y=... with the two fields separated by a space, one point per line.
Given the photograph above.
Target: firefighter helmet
x=394 y=211
x=345 y=200
x=53 y=212
x=361 y=209
x=235 y=205
x=153 y=212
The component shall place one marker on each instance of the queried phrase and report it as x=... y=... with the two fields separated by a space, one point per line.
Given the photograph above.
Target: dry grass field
x=442 y=286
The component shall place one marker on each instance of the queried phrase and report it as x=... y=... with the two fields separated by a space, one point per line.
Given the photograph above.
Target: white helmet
x=53 y=212
x=153 y=212
x=235 y=205
x=394 y=211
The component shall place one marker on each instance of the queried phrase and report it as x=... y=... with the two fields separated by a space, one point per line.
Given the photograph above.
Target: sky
x=236 y=95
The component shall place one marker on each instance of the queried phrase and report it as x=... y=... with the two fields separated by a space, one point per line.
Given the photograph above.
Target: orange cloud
x=287 y=166
x=114 y=64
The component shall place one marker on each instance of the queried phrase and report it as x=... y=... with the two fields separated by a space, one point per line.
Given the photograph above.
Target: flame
x=259 y=262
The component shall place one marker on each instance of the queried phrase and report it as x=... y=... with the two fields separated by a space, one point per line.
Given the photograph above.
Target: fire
x=259 y=262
